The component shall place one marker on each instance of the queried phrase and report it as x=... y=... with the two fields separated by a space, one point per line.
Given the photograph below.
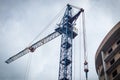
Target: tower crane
x=68 y=32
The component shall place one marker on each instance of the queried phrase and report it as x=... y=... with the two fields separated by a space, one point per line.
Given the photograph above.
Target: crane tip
x=82 y=10
x=6 y=62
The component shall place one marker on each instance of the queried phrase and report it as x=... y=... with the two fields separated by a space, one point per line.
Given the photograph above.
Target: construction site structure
x=107 y=59
x=68 y=32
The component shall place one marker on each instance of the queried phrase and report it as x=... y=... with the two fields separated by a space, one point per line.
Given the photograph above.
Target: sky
x=22 y=20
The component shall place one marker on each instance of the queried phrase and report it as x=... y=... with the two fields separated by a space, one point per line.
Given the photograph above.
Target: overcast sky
x=22 y=20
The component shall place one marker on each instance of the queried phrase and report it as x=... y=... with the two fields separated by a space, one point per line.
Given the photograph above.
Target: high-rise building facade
x=107 y=58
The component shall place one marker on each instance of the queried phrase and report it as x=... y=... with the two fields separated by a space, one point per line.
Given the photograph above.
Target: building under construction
x=107 y=58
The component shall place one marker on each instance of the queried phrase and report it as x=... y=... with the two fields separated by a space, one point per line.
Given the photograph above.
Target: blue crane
x=68 y=32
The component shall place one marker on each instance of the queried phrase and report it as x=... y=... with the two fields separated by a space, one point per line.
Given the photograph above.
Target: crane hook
x=86 y=70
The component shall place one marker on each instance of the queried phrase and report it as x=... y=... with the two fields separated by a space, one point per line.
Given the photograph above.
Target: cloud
x=22 y=20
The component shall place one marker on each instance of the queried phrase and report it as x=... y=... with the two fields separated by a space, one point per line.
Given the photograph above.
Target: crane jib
x=33 y=47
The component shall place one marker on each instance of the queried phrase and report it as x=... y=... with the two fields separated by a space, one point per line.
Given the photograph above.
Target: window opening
x=114 y=73
x=110 y=50
x=112 y=61
x=118 y=42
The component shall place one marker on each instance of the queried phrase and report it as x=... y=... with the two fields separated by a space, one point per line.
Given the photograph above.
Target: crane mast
x=68 y=32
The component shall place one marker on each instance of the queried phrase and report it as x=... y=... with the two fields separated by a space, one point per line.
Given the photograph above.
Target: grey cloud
x=22 y=20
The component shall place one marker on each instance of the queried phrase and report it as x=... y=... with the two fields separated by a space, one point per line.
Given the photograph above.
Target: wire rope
x=28 y=67
x=30 y=56
x=84 y=36
x=85 y=46
x=74 y=66
x=80 y=41
x=48 y=25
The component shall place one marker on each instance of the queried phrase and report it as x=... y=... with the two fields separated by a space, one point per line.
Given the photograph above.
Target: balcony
x=117 y=77
x=108 y=57
x=113 y=66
